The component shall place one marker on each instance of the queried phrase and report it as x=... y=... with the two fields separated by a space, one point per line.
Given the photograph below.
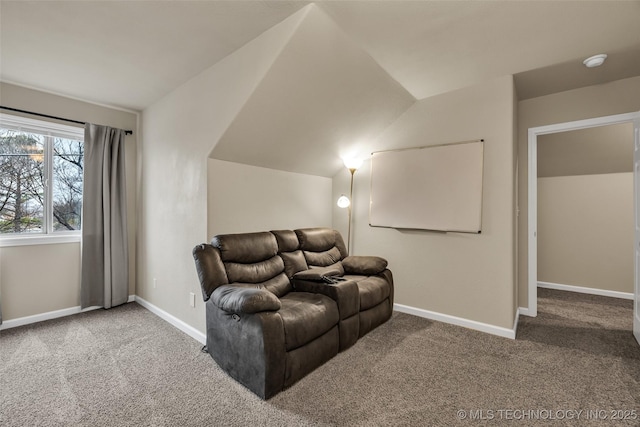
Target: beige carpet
x=128 y=367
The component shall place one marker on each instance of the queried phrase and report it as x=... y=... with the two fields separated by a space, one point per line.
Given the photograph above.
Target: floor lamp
x=347 y=202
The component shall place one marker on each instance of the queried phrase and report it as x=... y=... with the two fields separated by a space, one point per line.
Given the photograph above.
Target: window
x=41 y=170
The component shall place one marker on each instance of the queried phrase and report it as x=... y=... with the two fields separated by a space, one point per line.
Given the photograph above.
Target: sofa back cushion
x=289 y=250
x=246 y=247
x=252 y=258
x=287 y=240
x=322 y=247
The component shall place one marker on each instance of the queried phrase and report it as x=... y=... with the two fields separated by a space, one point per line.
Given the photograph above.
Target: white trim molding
x=39 y=239
x=524 y=311
x=184 y=327
x=28 y=320
x=459 y=321
x=584 y=290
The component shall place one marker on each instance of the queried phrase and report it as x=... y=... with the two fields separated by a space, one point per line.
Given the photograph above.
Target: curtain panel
x=105 y=258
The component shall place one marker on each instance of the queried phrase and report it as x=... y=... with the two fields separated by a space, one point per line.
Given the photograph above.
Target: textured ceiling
x=132 y=53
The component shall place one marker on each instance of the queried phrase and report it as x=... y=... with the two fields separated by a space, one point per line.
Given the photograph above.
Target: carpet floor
x=577 y=363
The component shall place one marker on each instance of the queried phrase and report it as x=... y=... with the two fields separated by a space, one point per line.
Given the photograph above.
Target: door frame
x=532 y=192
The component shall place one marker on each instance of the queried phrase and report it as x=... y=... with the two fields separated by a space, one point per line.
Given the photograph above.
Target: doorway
x=533 y=134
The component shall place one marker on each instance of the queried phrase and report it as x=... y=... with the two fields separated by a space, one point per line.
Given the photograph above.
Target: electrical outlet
x=155 y=283
x=192 y=299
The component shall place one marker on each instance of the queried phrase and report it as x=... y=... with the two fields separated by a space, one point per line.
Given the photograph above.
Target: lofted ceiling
x=322 y=95
x=132 y=53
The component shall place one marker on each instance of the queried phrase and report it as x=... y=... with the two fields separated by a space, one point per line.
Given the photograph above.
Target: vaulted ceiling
x=132 y=53
x=322 y=95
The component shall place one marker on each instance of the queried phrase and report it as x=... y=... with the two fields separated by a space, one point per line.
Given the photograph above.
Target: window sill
x=22 y=240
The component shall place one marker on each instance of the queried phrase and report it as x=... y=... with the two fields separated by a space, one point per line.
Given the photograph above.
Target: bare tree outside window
x=23 y=182
x=68 y=160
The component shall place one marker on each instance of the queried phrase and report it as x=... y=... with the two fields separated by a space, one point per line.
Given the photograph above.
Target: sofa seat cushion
x=372 y=289
x=306 y=316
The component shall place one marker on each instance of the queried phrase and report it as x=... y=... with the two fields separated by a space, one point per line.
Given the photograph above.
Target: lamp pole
x=352 y=164
x=353 y=171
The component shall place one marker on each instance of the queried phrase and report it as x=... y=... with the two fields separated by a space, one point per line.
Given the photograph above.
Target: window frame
x=49 y=130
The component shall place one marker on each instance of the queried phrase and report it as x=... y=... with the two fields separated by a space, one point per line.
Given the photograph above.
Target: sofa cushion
x=279 y=285
x=373 y=290
x=293 y=262
x=306 y=316
x=246 y=248
x=255 y=272
x=321 y=240
x=288 y=249
x=287 y=240
x=324 y=259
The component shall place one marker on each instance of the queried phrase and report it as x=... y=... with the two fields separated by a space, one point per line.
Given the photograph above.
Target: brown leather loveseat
x=281 y=303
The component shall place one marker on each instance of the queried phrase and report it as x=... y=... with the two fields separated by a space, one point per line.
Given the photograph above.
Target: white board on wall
x=430 y=188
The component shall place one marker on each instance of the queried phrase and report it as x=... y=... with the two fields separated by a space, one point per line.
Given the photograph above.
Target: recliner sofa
x=281 y=303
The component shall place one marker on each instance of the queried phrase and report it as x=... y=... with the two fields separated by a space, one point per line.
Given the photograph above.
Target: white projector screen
x=429 y=188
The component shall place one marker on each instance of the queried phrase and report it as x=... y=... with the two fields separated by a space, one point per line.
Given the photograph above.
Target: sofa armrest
x=317 y=274
x=211 y=271
x=250 y=348
x=234 y=299
x=365 y=265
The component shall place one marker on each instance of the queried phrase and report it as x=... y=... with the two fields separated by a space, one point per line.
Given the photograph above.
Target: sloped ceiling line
x=323 y=97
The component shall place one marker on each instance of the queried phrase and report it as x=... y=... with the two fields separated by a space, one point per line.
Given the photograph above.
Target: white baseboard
x=27 y=320
x=524 y=311
x=187 y=329
x=459 y=321
x=583 y=290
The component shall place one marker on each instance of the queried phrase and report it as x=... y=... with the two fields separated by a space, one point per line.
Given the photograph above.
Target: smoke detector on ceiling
x=595 y=60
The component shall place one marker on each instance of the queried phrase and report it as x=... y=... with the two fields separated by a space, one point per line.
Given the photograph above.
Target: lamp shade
x=343 y=201
x=352 y=163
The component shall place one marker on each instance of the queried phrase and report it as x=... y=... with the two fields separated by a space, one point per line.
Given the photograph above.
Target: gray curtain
x=105 y=260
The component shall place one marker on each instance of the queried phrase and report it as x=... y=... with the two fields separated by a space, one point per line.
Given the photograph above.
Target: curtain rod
x=127 y=132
